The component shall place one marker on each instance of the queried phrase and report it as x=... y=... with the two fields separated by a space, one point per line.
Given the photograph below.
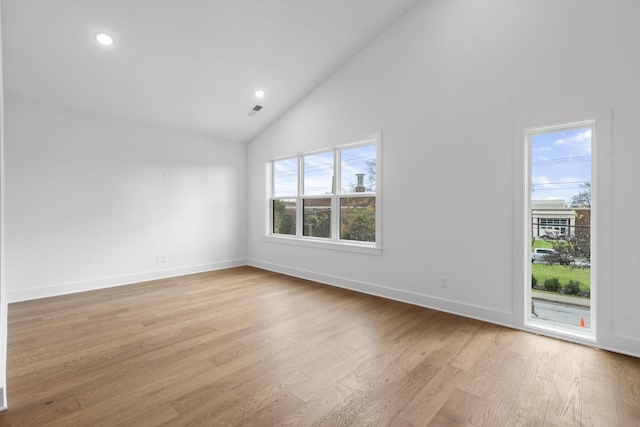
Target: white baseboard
x=619 y=345
x=503 y=318
x=3 y=399
x=90 y=285
x=440 y=304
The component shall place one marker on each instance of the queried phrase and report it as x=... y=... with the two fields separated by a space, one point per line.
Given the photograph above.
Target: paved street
x=562 y=313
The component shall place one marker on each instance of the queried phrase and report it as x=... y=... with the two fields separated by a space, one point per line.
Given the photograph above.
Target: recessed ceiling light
x=104 y=39
x=259 y=93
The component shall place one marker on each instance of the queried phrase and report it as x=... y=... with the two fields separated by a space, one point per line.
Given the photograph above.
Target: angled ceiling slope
x=192 y=65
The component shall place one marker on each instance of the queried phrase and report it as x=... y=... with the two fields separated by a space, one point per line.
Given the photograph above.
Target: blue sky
x=319 y=171
x=285 y=174
x=354 y=161
x=560 y=163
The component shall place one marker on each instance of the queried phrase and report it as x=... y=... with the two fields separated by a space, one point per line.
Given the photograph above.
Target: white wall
x=448 y=85
x=91 y=201
x=3 y=293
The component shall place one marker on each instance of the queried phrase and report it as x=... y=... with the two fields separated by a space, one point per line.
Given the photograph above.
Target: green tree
x=287 y=225
x=358 y=220
x=317 y=223
x=583 y=198
x=283 y=222
x=371 y=175
x=572 y=249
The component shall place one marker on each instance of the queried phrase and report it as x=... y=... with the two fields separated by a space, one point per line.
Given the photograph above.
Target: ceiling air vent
x=255 y=110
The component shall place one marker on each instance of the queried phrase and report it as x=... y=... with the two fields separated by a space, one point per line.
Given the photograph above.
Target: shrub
x=572 y=288
x=552 y=284
x=559 y=257
x=534 y=281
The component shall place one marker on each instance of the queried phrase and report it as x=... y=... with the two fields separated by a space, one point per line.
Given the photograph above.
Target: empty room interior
x=279 y=212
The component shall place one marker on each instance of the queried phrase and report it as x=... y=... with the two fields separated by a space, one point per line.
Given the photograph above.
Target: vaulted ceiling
x=192 y=65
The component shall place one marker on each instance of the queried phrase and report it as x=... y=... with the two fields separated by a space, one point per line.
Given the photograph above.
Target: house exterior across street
x=553 y=219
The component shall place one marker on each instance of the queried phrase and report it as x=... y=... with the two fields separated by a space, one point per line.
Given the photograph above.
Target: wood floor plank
x=498 y=400
x=266 y=406
x=379 y=393
x=110 y=409
x=597 y=401
x=548 y=422
x=156 y=416
x=412 y=346
x=482 y=339
x=317 y=407
x=398 y=422
x=245 y=346
x=208 y=398
x=387 y=408
x=564 y=401
x=600 y=362
x=489 y=364
x=457 y=410
x=627 y=415
x=279 y=365
x=627 y=380
x=530 y=405
x=541 y=366
x=431 y=398
x=346 y=413
x=323 y=380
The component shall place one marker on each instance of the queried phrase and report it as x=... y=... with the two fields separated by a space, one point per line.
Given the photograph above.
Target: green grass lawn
x=563 y=273
x=539 y=243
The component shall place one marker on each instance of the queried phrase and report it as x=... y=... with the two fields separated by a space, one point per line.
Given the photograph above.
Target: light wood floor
x=249 y=347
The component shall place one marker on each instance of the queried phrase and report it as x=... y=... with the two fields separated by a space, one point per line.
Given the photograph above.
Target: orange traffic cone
x=582 y=325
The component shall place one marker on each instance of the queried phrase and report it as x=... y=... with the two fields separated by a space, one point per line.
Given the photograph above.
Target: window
x=328 y=197
x=551 y=227
x=558 y=280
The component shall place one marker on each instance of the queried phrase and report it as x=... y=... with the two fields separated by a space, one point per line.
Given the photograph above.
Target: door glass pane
x=560 y=228
x=316 y=218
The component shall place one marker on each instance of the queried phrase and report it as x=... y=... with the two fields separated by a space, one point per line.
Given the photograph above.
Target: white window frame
x=334 y=242
x=529 y=320
x=602 y=177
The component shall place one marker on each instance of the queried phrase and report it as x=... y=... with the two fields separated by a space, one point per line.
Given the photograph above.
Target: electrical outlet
x=444 y=282
x=165 y=258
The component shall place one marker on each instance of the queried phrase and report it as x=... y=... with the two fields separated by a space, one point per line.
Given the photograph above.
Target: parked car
x=540 y=254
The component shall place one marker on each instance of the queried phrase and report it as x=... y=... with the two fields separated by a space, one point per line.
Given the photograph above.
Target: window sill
x=567 y=331
x=326 y=244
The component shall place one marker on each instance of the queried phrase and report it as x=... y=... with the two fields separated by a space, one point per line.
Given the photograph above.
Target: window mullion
x=299 y=213
x=335 y=206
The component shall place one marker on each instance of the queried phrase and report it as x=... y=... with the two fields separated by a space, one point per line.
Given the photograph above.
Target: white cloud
x=561 y=188
x=578 y=142
x=539 y=149
x=540 y=180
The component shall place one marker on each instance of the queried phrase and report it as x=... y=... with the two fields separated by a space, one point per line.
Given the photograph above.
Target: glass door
x=560 y=206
